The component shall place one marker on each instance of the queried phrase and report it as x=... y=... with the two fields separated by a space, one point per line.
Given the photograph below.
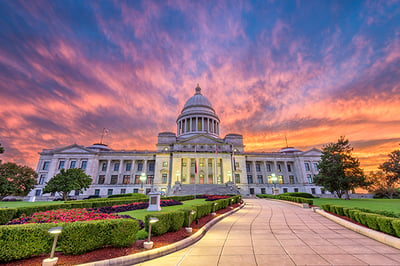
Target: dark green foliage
x=16 y=180
x=326 y=207
x=385 y=224
x=391 y=179
x=179 y=198
x=268 y=196
x=176 y=220
x=298 y=194
x=122 y=232
x=24 y=241
x=396 y=226
x=362 y=216
x=129 y=195
x=339 y=210
x=371 y=220
x=142 y=234
x=160 y=227
x=203 y=209
x=7 y=214
x=346 y=211
x=381 y=212
x=339 y=171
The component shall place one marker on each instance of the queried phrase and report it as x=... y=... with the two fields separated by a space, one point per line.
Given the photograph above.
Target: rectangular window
x=284 y=190
x=164 y=179
x=135 y=190
x=150 y=179
x=236 y=165
x=237 y=178
x=184 y=164
x=263 y=190
x=312 y=190
x=104 y=167
x=128 y=167
x=83 y=165
x=123 y=191
x=97 y=192
x=72 y=165
x=109 y=192
x=248 y=168
x=116 y=166
x=279 y=167
x=209 y=164
x=151 y=167
x=258 y=167
x=218 y=164
x=137 y=179
x=259 y=179
x=315 y=166
x=309 y=179
x=41 y=180
x=165 y=164
x=307 y=166
x=77 y=192
x=249 y=179
x=114 y=179
x=46 y=166
x=296 y=190
x=289 y=168
x=268 y=167
x=140 y=166
x=291 y=179
x=280 y=179
x=102 y=178
x=61 y=165
x=38 y=192
x=127 y=179
x=322 y=191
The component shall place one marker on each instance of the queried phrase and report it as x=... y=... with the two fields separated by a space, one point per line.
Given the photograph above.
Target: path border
x=162 y=251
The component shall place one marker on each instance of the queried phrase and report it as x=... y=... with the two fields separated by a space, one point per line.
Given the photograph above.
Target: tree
x=16 y=180
x=66 y=181
x=381 y=186
x=339 y=171
x=1 y=149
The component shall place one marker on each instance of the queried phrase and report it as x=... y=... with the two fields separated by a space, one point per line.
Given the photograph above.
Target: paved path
x=267 y=232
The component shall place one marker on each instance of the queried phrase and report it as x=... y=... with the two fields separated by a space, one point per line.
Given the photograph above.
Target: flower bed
x=134 y=206
x=213 y=197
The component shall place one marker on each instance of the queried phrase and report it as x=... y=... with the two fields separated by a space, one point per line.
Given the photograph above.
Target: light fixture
x=213 y=213
x=149 y=244
x=189 y=229
x=53 y=260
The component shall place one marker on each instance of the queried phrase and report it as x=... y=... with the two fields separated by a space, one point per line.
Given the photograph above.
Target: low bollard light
x=189 y=229
x=213 y=213
x=53 y=260
x=149 y=244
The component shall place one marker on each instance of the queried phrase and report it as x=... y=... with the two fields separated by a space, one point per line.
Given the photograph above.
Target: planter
x=148 y=245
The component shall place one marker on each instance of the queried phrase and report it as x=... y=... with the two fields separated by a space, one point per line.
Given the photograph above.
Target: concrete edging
x=302 y=205
x=379 y=236
x=162 y=251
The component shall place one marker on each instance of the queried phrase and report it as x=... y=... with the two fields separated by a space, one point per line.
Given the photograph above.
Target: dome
x=198 y=103
x=99 y=146
x=289 y=150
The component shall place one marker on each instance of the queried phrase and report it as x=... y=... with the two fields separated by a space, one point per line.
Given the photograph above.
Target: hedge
x=131 y=195
x=288 y=198
x=7 y=214
x=298 y=194
x=385 y=224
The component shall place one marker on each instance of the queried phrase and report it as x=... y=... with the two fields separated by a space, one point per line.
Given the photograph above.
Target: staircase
x=209 y=189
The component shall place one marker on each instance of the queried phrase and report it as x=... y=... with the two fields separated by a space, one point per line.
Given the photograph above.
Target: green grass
x=372 y=204
x=140 y=214
x=16 y=204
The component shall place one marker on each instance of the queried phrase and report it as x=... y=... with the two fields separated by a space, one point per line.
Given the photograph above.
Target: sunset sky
x=310 y=70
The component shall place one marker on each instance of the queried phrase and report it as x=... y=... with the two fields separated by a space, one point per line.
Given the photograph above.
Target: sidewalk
x=267 y=232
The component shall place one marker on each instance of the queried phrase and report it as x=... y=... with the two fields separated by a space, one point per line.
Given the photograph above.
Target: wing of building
x=194 y=160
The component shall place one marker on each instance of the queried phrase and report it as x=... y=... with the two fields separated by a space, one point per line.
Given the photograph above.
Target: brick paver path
x=267 y=232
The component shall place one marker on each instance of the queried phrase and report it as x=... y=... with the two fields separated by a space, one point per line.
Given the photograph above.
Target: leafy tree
x=392 y=168
x=66 y=181
x=1 y=149
x=339 y=171
x=16 y=180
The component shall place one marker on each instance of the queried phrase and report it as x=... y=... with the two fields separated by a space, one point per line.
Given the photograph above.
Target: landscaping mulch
x=109 y=252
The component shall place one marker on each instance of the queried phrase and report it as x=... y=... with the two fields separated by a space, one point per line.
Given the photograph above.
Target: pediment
x=75 y=148
x=313 y=152
x=201 y=139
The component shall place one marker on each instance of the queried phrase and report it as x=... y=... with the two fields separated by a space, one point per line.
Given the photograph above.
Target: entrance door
x=252 y=191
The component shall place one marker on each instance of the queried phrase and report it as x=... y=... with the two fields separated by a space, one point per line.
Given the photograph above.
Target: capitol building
x=193 y=160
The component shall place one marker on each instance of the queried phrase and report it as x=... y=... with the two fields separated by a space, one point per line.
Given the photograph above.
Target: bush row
x=288 y=198
x=24 y=241
x=374 y=221
x=129 y=195
x=173 y=221
x=179 y=198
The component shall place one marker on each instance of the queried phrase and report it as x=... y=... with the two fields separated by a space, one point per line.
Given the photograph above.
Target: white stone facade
x=194 y=155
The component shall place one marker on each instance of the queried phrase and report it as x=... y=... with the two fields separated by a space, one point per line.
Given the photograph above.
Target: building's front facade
x=193 y=156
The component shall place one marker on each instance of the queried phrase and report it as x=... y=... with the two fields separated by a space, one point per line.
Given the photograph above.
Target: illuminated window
x=165 y=164
x=307 y=166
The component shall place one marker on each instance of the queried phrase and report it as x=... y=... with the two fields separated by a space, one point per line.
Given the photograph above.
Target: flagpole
x=215 y=176
x=195 y=169
x=233 y=164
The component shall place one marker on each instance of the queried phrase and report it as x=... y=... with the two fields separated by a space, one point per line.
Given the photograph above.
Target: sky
x=308 y=70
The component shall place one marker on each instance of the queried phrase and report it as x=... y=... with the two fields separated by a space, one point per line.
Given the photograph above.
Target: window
x=252 y=191
x=83 y=165
x=128 y=167
x=114 y=179
x=77 y=192
x=284 y=190
x=291 y=179
x=104 y=167
x=72 y=165
x=322 y=191
x=38 y=192
x=307 y=166
x=309 y=179
x=184 y=164
x=237 y=164
x=315 y=166
x=97 y=192
x=258 y=168
x=102 y=178
x=116 y=166
x=165 y=164
x=289 y=168
x=151 y=167
x=46 y=166
x=263 y=190
x=249 y=179
x=150 y=179
x=61 y=165
x=248 y=167
x=209 y=164
x=41 y=180
x=280 y=179
x=192 y=163
x=137 y=179
x=279 y=167
x=312 y=190
x=164 y=179
x=237 y=178
x=268 y=167
x=296 y=190
x=259 y=179
x=277 y=190
x=126 y=179
x=109 y=192
x=135 y=190
x=123 y=190
x=140 y=166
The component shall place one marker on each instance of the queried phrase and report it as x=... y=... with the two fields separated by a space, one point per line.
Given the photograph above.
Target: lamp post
x=142 y=180
x=213 y=213
x=149 y=244
x=274 y=178
x=53 y=260
x=189 y=229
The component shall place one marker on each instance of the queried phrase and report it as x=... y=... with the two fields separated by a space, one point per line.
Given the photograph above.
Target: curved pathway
x=267 y=232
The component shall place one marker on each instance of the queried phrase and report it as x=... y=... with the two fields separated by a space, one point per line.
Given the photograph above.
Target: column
x=107 y=178
x=197 y=124
x=254 y=172
x=120 y=177
x=132 y=179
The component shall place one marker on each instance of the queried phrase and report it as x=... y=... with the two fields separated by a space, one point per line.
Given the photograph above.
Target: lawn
x=140 y=214
x=373 y=204
x=16 y=204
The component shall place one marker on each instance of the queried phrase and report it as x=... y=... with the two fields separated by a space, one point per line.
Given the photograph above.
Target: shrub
x=24 y=241
x=339 y=210
x=326 y=207
x=176 y=220
x=160 y=227
x=122 y=232
x=129 y=195
x=351 y=214
x=142 y=234
x=7 y=214
x=298 y=194
x=396 y=227
x=362 y=216
x=203 y=209
x=371 y=220
x=346 y=211
x=385 y=224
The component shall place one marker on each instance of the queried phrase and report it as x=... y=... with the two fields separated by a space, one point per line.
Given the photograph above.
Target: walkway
x=267 y=232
